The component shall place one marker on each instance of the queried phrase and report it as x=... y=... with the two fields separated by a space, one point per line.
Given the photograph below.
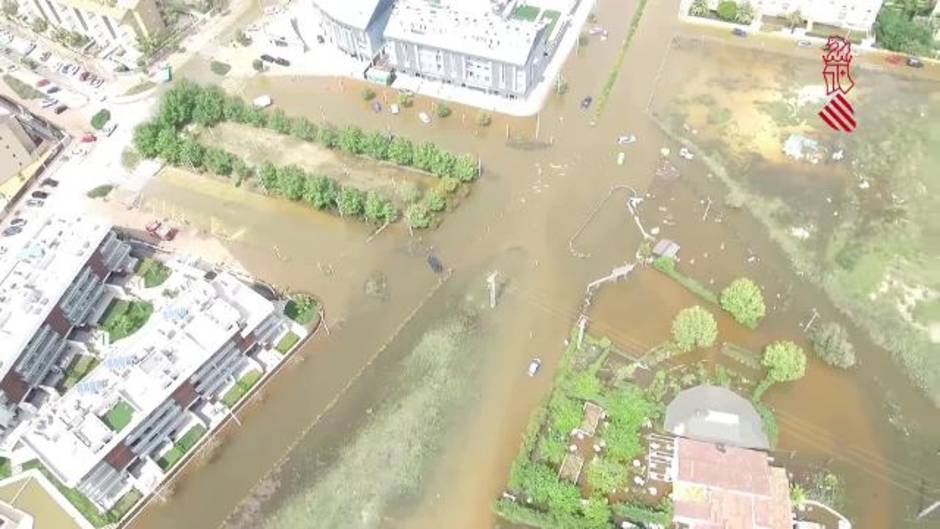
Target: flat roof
x=354 y=13
x=37 y=265
x=144 y=369
x=471 y=27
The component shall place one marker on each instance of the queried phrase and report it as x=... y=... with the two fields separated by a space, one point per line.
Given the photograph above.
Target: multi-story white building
x=107 y=434
x=853 y=15
x=466 y=43
x=52 y=279
x=355 y=27
x=115 y=25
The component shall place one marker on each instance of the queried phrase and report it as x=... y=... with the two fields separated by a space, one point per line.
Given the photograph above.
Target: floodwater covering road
x=313 y=424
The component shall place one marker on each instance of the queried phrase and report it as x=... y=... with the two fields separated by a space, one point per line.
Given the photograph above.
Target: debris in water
x=664 y=151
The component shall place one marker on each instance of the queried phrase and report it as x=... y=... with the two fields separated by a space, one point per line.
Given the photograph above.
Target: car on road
x=282 y=61
x=50 y=182
x=84 y=76
x=88 y=138
x=97 y=83
x=804 y=43
x=42 y=82
x=52 y=90
x=914 y=62
x=280 y=43
x=48 y=102
x=11 y=230
x=60 y=109
x=35 y=202
x=39 y=194
x=18 y=222
x=738 y=32
x=267 y=58
x=586 y=102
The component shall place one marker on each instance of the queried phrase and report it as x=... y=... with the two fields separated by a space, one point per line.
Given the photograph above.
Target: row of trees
x=207 y=106
x=903 y=27
x=727 y=10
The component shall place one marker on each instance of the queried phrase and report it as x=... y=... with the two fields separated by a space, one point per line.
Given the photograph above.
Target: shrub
x=100 y=119
x=258 y=65
x=100 y=191
x=484 y=119
x=219 y=68
x=441 y=110
x=831 y=344
x=301 y=308
x=744 y=301
x=694 y=327
x=727 y=10
x=434 y=200
x=784 y=361
x=368 y=94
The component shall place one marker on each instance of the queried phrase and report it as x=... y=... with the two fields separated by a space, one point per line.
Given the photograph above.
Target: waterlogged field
x=858 y=213
x=384 y=463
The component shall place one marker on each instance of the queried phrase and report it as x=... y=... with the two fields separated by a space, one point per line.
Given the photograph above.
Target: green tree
x=10 y=8
x=145 y=139
x=291 y=182
x=831 y=344
x=279 y=122
x=744 y=301
x=604 y=475
x=418 y=216
x=101 y=118
x=785 y=361
x=350 y=202
x=177 y=104
x=218 y=161
x=322 y=192
x=596 y=512
x=192 y=154
x=168 y=145
x=401 y=151
x=441 y=110
x=258 y=65
x=425 y=156
x=465 y=168
x=209 y=106
x=235 y=110
x=268 y=176
x=301 y=128
x=896 y=31
x=39 y=25
x=352 y=139
x=797 y=495
x=484 y=119
x=434 y=200
x=377 y=145
x=694 y=327
x=449 y=184
x=375 y=207
x=406 y=100
x=444 y=164
x=328 y=136
x=699 y=8
x=368 y=94
x=727 y=10
x=745 y=14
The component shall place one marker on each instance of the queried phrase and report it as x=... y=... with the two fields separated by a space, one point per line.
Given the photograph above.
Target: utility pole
x=538 y=124
x=491 y=281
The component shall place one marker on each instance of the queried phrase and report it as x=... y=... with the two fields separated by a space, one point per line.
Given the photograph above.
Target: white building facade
x=466 y=45
x=355 y=27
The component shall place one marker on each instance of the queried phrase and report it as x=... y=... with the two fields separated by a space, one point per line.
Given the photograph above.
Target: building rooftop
x=716 y=414
x=143 y=370
x=718 y=487
x=353 y=13
x=36 y=267
x=471 y=27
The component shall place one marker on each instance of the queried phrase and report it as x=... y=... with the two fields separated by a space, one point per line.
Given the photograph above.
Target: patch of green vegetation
x=927 y=312
x=644 y=514
x=302 y=308
x=118 y=416
x=181 y=447
x=241 y=387
x=901 y=27
x=668 y=267
x=23 y=90
x=526 y=12
x=287 y=342
x=82 y=504
x=154 y=272
x=718 y=115
x=552 y=16
x=219 y=68
x=618 y=62
x=101 y=118
x=80 y=366
x=125 y=504
x=543 y=498
x=785 y=113
x=100 y=191
x=5 y=469
x=140 y=88
x=768 y=422
x=123 y=318
x=742 y=355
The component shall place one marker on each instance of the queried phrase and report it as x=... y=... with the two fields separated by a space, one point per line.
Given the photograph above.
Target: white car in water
x=424 y=117
x=534 y=366
x=626 y=140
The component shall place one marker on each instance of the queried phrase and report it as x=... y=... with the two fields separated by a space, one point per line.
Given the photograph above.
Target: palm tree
x=699 y=8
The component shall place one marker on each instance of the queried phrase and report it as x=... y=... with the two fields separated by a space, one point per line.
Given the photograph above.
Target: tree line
x=189 y=103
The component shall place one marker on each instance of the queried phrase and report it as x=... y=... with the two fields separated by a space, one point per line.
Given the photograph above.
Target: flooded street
x=535 y=194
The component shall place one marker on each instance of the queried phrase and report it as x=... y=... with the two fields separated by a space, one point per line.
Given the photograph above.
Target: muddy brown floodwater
x=534 y=194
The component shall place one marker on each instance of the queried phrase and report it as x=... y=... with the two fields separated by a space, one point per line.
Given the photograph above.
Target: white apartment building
x=207 y=330
x=114 y=25
x=468 y=43
x=52 y=280
x=355 y=27
x=854 y=15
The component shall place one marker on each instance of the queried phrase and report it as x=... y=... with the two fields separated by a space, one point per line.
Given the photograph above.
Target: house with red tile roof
x=717 y=486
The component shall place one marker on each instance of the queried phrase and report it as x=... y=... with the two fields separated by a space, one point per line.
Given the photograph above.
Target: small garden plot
x=242 y=387
x=287 y=342
x=526 y=12
x=154 y=272
x=302 y=308
x=181 y=447
x=77 y=370
x=123 y=318
x=118 y=416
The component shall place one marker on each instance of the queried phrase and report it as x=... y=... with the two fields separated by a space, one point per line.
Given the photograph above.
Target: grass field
x=123 y=318
x=288 y=341
x=182 y=446
x=23 y=90
x=241 y=387
x=526 y=12
x=154 y=272
x=119 y=416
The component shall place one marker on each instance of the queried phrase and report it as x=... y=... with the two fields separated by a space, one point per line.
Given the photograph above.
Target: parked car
x=18 y=222
x=60 y=109
x=48 y=102
x=804 y=43
x=424 y=117
x=626 y=140
x=35 y=202
x=914 y=62
x=267 y=58
x=84 y=76
x=586 y=102
x=534 y=366
x=282 y=61
x=11 y=230
x=39 y=194
x=320 y=39
x=280 y=43
x=50 y=182
x=88 y=138
x=738 y=32
x=97 y=83
x=42 y=82
x=52 y=90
